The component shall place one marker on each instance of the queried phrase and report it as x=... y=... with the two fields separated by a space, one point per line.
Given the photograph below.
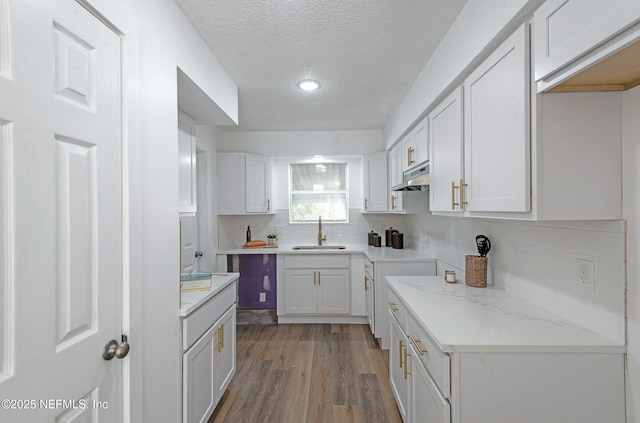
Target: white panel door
x=187 y=176
x=496 y=128
x=61 y=177
x=189 y=243
x=445 y=124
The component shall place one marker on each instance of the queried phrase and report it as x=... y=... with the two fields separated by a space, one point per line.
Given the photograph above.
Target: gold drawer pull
x=462 y=202
x=415 y=343
x=393 y=307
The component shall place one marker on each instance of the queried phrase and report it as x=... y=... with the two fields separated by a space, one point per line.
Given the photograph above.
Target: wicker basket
x=475 y=271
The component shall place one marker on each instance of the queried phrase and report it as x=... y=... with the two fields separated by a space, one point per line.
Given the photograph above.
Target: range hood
x=416 y=180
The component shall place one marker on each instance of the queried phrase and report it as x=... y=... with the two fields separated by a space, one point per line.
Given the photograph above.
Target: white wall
x=537 y=260
x=157 y=40
x=631 y=212
x=309 y=143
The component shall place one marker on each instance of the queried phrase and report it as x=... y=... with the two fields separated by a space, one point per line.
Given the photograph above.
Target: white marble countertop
x=460 y=318
x=190 y=301
x=373 y=253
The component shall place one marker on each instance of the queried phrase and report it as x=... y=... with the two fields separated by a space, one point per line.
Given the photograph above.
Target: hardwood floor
x=308 y=374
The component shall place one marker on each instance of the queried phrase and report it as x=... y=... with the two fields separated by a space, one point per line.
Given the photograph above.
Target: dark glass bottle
x=248 y=233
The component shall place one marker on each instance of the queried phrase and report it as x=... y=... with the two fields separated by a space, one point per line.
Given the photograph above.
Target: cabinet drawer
x=197 y=323
x=436 y=362
x=398 y=310
x=332 y=261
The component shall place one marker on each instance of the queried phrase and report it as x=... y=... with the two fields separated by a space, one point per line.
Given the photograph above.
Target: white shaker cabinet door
x=375 y=182
x=446 y=144
x=497 y=138
x=567 y=29
x=258 y=183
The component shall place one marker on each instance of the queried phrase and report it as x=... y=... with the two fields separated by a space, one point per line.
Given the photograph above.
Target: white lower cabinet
x=209 y=363
x=489 y=384
x=426 y=403
x=317 y=291
x=369 y=292
x=316 y=288
x=398 y=372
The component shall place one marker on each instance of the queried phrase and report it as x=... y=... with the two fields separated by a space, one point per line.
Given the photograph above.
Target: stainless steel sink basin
x=318 y=247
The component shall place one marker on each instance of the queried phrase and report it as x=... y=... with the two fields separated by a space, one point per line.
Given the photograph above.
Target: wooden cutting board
x=244 y=247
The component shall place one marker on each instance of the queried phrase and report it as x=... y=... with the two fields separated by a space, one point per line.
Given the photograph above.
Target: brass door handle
x=410 y=152
x=393 y=202
x=462 y=186
x=366 y=288
x=453 y=196
x=415 y=343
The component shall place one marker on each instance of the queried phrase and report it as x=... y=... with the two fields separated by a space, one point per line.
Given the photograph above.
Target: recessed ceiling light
x=308 y=85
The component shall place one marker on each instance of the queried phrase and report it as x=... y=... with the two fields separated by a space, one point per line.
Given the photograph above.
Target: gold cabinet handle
x=393 y=307
x=366 y=205
x=314 y=277
x=462 y=186
x=415 y=343
x=222 y=337
x=406 y=367
x=453 y=196
x=410 y=152
x=268 y=204
x=318 y=277
x=218 y=346
x=393 y=202
x=400 y=351
x=366 y=288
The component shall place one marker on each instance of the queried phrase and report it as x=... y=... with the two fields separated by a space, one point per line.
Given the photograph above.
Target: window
x=318 y=189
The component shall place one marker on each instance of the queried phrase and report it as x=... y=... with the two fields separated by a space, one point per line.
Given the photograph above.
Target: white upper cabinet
x=445 y=126
x=375 y=182
x=496 y=133
x=567 y=29
x=187 y=176
x=415 y=146
x=244 y=184
x=258 y=183
x=395 y=178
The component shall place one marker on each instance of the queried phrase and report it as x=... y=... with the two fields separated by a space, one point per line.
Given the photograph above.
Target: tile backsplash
x=537 y=260
x=232 y=229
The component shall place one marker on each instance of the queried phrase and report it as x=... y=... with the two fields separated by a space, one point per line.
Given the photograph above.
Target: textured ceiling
x=365 y=54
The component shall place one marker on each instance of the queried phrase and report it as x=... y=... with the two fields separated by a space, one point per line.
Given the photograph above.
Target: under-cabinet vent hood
x=416 y=180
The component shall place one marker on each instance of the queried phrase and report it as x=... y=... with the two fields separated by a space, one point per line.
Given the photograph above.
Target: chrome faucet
x=320 y=237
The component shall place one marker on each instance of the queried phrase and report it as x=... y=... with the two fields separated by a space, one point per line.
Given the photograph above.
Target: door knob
x=199 y=254
x=115 y=349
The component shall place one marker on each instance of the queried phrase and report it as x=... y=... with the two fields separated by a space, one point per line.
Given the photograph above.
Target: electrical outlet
x=263 y=297
x=584 y=272
x=279 y=229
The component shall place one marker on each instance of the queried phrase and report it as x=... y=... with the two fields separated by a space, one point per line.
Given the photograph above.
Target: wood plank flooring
x=308 y=373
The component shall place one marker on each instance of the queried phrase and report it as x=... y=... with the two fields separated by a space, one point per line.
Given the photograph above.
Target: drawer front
x=332 y=261
x=197 y=323
x=398 y=310
x=437 y=363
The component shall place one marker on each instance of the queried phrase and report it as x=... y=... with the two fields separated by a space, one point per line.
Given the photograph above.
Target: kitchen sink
x=318 y=247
